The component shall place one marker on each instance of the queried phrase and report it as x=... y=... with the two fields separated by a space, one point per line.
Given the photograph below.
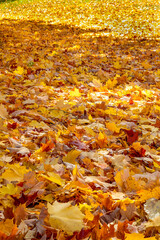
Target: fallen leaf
x=112 y=127
x=117 y=65
x=53 y=177
x=66 y=217
x=10 y=189
x=137 y=236
x=19 y=71
x=71 y=156
x=14 y=172
x=3 y=112
x=152 y=208
x=7 y=227
x=75 y=93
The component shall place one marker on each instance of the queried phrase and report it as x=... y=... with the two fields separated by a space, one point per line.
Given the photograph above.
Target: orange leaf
x=137 y=236
x=112 y=127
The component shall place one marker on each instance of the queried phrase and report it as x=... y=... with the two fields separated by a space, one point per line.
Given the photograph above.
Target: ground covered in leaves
x=80 y=120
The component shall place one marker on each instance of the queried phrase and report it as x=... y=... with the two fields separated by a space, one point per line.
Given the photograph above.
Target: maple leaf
x=66 y=217
x=9 y=189
x=112 y=127
x=92 y=80
x=117 y=65
x=53 y=177
x=132 y=136
x=19 y=71
x=71 y=156
x=15 y=172
x=145 y=194
x=8 y=229
x=20 y=214
x=75 y=93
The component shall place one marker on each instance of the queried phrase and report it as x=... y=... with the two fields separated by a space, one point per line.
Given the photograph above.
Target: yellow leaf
x=125 y=202
x=19 y=71
x=117 y=65
x=36 y=124
x=75 y=93
x=137 y=146
x=48 y=198
x=148 y=93
x=112 y=111
x=111 y=83
x=9 y=189
x=88 y=215
x=65 y=217
x=157 y=73
x=146 y=65
x=85 y=208
x=56 y=113
x=101 y=136
x=157 y=108
x=3 y=112
x=71 y=156
x=43 y=110
x=112 y=127
x=156 y=165
x=90 y=118
x=15 y=172
x=73 y=79
x=150 y=193
x=53 y=177
x=90 y=131
x=75 y=172
x=53 y=53
x=137 y=236
x=6 y=227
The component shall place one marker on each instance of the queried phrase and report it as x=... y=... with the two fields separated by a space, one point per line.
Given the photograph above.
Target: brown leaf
x=20 y=214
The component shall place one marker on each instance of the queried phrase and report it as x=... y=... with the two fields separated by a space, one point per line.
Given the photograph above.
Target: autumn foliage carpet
x=80 y=120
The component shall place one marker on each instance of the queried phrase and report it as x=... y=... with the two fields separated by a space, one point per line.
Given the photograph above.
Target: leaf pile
x=80 y=120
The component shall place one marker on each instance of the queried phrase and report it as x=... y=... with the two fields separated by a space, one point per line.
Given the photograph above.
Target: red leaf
x=132 y=136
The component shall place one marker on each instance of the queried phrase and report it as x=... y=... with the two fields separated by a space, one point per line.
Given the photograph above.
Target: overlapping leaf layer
x=80 y=120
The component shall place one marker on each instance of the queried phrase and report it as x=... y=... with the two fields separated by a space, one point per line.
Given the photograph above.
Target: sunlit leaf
x=53 y=177
x=19 y=71
x=14 y=172
x=36 y=124
x=117 y=65
x=146 y=65
x=7 y=227
x=71 y=156
x=75 y=93
x=10 y=189
x=66 y=217
x=137 y=236
x=112 y=127
x=3 y=112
